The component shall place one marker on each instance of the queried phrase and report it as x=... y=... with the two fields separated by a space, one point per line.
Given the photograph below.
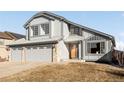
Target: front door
x=73 y=51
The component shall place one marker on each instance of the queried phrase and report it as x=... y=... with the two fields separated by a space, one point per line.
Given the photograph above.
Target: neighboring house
x=5 y=39
x=53 y=38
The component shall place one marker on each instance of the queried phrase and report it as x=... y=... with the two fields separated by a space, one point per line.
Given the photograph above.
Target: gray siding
x=38 y=21
x=59 y=29
x=65 y=30
x=94 y=57
x=56 y=28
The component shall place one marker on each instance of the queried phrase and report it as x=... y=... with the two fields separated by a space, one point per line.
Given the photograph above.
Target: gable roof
x=10 y=35
x=15 y=36
x=4 y=36
x=53 y=16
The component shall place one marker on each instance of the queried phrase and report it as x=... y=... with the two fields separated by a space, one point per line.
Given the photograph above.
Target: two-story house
x=5 y=39
x=53 y=38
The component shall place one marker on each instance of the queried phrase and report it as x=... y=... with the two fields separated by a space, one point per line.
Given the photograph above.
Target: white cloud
x=120 y=45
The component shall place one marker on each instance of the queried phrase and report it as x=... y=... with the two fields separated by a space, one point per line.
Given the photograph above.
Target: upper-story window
x=75 y=30
x=35 y=30
x=45 y=28
x=41 y=29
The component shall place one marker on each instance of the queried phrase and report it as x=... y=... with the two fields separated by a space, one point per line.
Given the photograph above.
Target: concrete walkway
x=9 y=68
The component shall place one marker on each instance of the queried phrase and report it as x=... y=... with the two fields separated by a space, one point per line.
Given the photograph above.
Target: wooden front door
x=73 y=51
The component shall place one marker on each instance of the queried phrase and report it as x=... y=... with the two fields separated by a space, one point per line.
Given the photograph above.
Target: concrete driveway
x=9 y=68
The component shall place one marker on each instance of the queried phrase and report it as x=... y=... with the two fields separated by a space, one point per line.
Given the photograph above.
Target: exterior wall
x=56 y=28
x=62 y=51
x=65 y=30
x=39 y=37
x=86 y=56
x=54 y=53
x=82 y=51
x=86 y=34
x=59 y=28
x=108 y=56
x=95 y=57
x=91 y=57
x=38 y=21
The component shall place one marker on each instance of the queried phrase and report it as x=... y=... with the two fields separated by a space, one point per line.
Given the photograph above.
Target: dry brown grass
x=71 y=72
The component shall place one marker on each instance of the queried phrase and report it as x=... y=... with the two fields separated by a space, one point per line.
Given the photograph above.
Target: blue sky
x=108 y=22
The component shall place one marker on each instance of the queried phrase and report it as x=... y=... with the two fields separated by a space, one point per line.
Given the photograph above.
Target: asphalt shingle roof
x=10 y=35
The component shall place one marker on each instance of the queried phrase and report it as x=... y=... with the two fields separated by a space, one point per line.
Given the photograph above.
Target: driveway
x=9 y=68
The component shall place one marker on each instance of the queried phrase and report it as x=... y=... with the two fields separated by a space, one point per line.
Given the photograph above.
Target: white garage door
x=39 y=53
x=16 y=54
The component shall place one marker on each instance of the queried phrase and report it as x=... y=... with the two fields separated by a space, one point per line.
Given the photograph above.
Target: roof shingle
x=10 y=35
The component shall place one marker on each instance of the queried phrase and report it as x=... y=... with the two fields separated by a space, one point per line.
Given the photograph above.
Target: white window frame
x=44 y=28
x=34 y=30
x=101 y=52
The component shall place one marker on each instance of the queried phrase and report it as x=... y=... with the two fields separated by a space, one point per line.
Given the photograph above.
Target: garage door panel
x=39 y=54
x=16 y=54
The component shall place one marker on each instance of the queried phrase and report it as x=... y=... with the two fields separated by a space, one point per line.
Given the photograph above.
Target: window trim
x=39 y=29
x=74 y=29
x=48 y=28
x=33 y=31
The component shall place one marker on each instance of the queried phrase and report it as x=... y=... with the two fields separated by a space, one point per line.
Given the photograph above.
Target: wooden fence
x=118 y=57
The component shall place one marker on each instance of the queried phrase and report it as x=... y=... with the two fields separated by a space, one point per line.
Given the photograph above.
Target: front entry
x=73 y=49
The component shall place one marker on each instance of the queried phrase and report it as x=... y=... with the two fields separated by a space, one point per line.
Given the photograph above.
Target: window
x=96 y=47
x=102 y=47
x=35 y=30
x=75 y=30
x=45 y=27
